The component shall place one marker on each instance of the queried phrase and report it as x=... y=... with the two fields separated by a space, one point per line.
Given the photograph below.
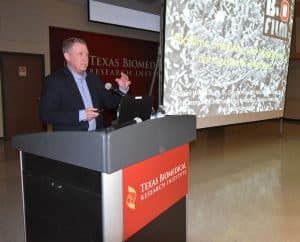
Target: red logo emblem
x=284 y=10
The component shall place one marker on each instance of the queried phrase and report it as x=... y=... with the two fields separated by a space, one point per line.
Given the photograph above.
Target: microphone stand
x=158 y=64
x=154 y=76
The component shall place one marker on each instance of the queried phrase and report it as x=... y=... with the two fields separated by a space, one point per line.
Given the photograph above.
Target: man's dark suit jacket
x=61 y=100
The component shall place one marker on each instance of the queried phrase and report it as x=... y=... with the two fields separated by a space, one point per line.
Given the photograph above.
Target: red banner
x=152 y=186
x=109 y=55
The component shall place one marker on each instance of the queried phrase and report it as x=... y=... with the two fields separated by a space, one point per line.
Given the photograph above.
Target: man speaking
x=72 y=98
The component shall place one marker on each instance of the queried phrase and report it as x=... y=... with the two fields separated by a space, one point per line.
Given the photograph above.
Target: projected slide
x=226 y=61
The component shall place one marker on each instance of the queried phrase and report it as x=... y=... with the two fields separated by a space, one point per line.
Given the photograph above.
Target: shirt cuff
x=123 y=90
x=82 y=115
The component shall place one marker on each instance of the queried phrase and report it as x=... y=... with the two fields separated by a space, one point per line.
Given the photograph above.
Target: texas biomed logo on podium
x=152 y=186
x=131 y=197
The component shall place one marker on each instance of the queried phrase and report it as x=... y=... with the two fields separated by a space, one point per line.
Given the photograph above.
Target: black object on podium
x=73 y=188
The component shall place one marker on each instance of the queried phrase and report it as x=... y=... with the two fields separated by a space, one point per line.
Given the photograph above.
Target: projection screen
x=226 y=61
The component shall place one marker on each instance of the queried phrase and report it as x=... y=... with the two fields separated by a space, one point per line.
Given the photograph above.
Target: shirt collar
x=77 y=76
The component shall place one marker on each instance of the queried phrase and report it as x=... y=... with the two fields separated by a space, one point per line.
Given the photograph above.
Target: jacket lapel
x=71 y=84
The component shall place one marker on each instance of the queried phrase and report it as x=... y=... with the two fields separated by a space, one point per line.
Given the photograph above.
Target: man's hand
x=91 y=113
x=123 y=81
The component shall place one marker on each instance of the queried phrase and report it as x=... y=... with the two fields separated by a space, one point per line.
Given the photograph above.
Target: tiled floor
x=244 y=185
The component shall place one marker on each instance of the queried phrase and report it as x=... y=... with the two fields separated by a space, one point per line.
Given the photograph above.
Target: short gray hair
x=68 y=43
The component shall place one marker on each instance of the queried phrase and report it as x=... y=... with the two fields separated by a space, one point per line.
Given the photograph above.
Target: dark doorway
x=21 y=77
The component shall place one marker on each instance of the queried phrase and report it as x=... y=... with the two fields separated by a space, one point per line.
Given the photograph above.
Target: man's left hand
x=123 y=81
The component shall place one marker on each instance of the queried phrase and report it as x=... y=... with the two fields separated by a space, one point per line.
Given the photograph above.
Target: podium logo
x=131 y=197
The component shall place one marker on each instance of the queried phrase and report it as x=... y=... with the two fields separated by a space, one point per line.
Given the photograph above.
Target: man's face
x=77 y=57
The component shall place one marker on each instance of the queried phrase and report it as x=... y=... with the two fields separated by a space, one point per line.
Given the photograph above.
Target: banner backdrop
x=109 y=55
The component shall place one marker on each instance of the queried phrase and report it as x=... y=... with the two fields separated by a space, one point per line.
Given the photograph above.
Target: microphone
x=109 y=87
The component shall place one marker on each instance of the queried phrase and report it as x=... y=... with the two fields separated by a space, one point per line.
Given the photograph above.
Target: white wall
x=24 y=26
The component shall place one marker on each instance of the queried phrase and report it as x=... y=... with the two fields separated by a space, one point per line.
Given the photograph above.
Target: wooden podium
x=128 y=184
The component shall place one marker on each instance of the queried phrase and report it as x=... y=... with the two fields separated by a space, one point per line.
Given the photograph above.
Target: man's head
x=76 y=54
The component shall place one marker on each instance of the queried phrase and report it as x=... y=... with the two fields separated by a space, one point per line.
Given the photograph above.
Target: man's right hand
x=91 y=113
